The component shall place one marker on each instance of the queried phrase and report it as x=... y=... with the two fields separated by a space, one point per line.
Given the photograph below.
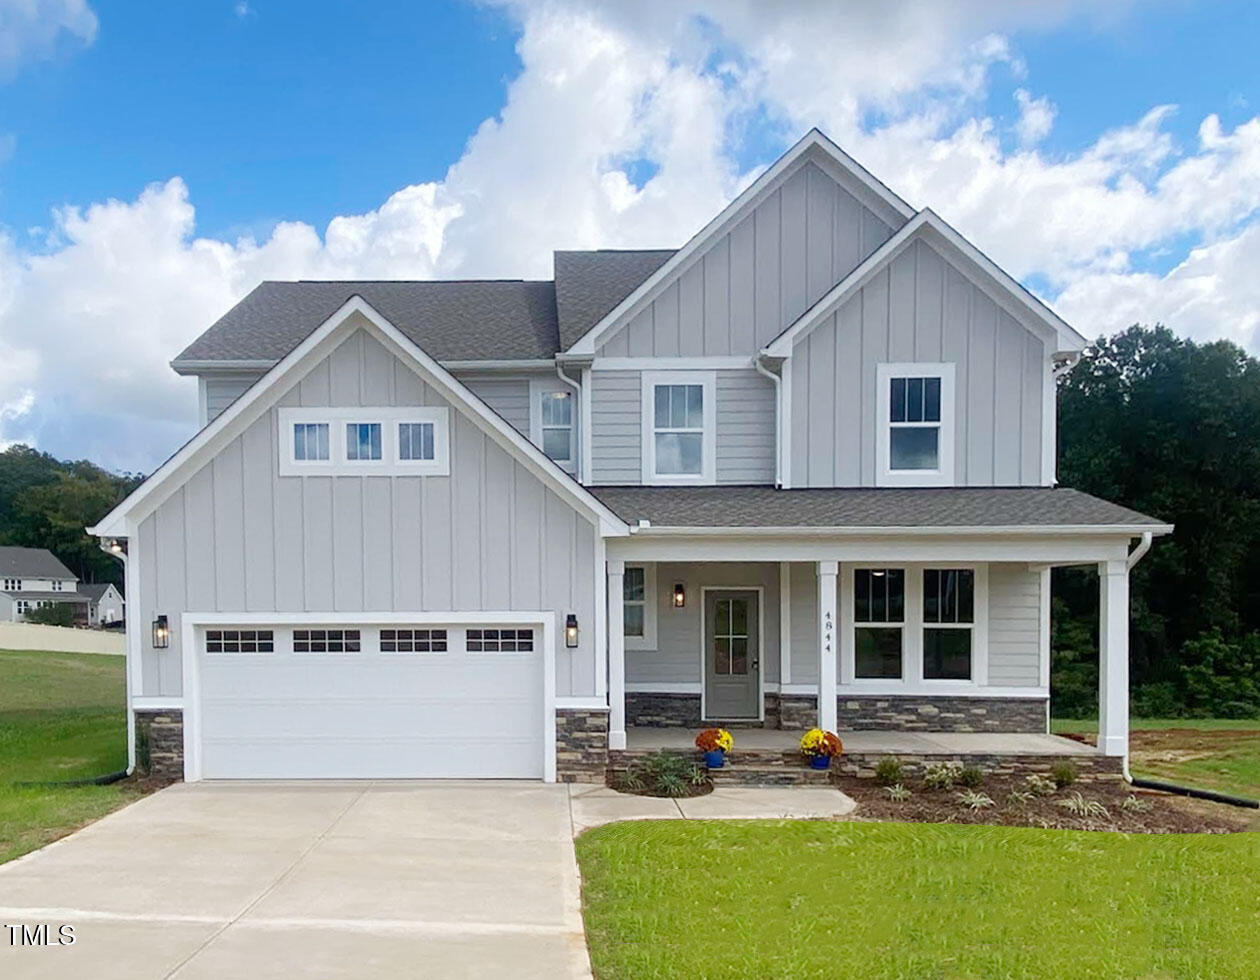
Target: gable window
x=378 y=441
x=57 y=585
x=879 y=612
x=679 y=427
x=12 y=585
x=363 y=441
x=916 y=425
x=948 y=620
x=310 y=441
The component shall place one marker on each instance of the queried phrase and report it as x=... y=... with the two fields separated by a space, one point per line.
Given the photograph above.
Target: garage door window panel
x=413 y=641
x=499 y=640
x=240 y=641
x=326 y=641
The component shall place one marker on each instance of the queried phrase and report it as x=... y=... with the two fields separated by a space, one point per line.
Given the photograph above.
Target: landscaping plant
x=889 y=771
x=818 y=742
x=941 y=775
x=663 y=774
x=1081 y=807
x=1040 y=785
x=971 y=776
x=715 y=740
x=974 y=801
x=1063 y=773
x=898 y=793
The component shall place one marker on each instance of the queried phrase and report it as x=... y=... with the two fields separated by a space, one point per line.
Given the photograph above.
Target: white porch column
x=827 y=645
x=1113 y=658
x=616 y=655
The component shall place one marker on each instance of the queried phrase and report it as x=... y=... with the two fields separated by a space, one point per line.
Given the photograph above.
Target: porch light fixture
x=570 y=631
x=680 y=595
x=161 y=634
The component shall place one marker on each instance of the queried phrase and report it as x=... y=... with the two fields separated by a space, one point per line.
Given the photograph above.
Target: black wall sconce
x=161 y=634
x=570 y=631
x=680 y=595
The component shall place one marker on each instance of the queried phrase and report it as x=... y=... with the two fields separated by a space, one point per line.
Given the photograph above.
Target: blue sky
x=157 y=160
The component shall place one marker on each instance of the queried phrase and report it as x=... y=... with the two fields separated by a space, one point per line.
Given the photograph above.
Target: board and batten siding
x=240 y=537
x=752 y=282
x=745 y=421
x=919 y=308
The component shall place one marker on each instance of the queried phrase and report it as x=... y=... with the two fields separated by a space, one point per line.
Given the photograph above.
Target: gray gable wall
x=490 y=536
x=754 y=281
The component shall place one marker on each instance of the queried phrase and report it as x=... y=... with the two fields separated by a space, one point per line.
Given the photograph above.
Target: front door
x=732 y=654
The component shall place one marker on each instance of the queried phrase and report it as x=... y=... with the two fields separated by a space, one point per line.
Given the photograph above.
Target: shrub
x=971 y=776
x=974 y=801
x=1063 y=773
x=898 y=793
x=889 y=771
x=1018 y=798
x=58 y=614
x=941 y=775
x=1222 y=677
x=1134 y=804
x=662 y=774
x=1082 y=807
x=1040 y=785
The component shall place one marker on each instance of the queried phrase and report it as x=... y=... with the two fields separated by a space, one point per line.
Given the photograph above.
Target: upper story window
x=915 y=439
x=410 y=441
x=57 y=585
x=679 y=427
x=552 y=418
x=12 y=585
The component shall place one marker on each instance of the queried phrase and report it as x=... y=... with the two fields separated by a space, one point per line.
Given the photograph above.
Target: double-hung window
x=679 y=415
x=916 y=424
x=639 y=607
x=552 y=418
x=948 y=623
x=879 y=616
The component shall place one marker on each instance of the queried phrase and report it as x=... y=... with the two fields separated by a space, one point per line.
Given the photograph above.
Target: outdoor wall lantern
x=680 y=595
x=570 y=631
x=161 y=634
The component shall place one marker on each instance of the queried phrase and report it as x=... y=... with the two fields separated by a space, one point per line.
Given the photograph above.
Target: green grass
x=62 y=717
x=1089 y=726
x=796 y=900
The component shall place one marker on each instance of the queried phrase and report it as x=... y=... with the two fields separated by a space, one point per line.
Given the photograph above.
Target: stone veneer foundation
x=940 y=714
x=683 y=711
x=581 y=745
x=160 y=743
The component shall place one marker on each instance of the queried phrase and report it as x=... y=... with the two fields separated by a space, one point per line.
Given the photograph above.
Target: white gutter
x=778 y=419
x=580 y=463
x=921 y=530
x=1136 y=555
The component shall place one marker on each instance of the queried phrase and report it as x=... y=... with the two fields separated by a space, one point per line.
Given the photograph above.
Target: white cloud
x=32 y=29
x=611 y=91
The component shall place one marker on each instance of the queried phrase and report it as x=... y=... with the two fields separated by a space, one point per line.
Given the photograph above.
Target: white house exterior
x=106 y=605
x=799 y=471
x=32 y=578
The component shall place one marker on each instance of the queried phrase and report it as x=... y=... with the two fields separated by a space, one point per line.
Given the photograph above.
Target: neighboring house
x=31 y=578
x=801 y=470
x=106 y=606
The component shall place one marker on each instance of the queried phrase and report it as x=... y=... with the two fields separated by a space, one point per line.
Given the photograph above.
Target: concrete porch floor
x=873 y=742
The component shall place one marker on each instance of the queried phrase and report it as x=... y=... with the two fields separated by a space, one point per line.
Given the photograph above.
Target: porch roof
x=884 y=509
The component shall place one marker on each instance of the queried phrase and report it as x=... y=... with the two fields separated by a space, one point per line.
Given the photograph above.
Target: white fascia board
x=1004 y=290
x=924 y=531
x=222 y=367
x=250 y=406
x=535 y=364
x=250 y=366
x=877 y=194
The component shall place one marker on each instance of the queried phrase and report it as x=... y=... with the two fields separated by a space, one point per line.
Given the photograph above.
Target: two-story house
x=799 y=471
x=32 y=578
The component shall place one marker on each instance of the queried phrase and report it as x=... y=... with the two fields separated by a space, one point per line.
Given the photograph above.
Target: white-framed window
x=413 y=640
x=638 y=588
x=22 y=606
x=326 y=641
x=915 y=419
x=499 y=640
x=679 y=427
x=12 y=585
x=916 y=628
x=412 y=441
x=240 y=641
x=57 y=585
x=553 y=422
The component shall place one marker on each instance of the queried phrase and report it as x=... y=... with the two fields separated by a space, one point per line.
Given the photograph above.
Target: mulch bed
x=1166 y=814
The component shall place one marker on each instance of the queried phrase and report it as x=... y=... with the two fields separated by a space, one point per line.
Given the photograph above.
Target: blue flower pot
x=715 y=759
x=820 y=762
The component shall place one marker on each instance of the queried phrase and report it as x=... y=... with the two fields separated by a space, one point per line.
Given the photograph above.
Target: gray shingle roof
x=74 y=598
x=451 y=321
x=589 y=284
x=740 y=506
x=94 y=590
x=18 y=562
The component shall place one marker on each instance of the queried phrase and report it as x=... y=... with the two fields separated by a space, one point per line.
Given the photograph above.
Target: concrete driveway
x=289 y=880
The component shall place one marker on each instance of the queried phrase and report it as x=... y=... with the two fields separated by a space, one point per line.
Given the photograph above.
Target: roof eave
x=1012 y=530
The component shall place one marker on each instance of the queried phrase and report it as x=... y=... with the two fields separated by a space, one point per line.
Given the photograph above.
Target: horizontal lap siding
x=745 y=427
x=221 y=392
x=1014 y=626
x=616 y=427
x=491 y=536
x=509 y=397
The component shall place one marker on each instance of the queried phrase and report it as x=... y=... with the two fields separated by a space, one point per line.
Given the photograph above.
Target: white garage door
x=394 y=701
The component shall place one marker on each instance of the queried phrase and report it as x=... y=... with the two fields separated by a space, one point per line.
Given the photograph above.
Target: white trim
x=1113 y=659
x=1044 y=653
x=786 y=395
x=266 y=364
x=1129 y=531
x=157 y=703
x=712 y=363
x=785 y=622
x=538 y=387
x=1000 y=287
x=707 y=380
x=135 y=649
x=318 y=345
x=191 y=661
x=203 y=401
x=664 y=687
x=581 y=704
x=503 y=364
x=224 y=366
x=390 y=463
x=761 y=649
x=615 y=569
x=1049 y=426
x=601 y=619
x=651 y=600
x=885 y=475
x=829 y=625
x=870 y=191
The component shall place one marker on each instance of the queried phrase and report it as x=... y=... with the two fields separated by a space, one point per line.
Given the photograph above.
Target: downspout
x=579 y=464
x=778 y=418
x=111 y=546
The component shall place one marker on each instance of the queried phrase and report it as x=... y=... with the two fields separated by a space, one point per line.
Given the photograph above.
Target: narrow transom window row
x=415 y=440
x=363 y=441
x=413 y=641
x=310 y=441
x=240 y=641
x=500 y=640
x=325 y=641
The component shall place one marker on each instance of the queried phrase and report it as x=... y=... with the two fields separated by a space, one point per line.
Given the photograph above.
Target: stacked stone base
x=160 y=743
x=940 y=714
x=1089 y=768
x=581 y=745
x=744 y=767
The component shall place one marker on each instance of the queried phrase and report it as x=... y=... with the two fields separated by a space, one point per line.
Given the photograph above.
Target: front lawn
x=1221 y=754
x=62 y=717
x=796 y=900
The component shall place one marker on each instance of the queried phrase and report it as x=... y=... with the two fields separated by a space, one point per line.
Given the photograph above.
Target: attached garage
x=327 y=698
